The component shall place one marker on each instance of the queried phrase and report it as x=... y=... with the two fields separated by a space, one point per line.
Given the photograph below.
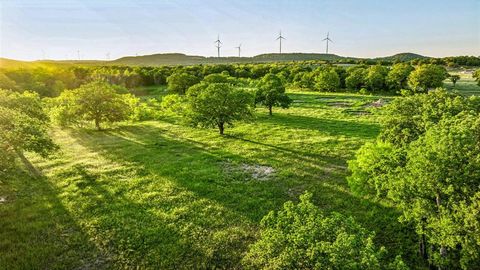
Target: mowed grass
x=161 y=195
x=465 y=86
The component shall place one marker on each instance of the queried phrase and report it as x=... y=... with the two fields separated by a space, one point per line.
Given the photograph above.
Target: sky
x=109 y=29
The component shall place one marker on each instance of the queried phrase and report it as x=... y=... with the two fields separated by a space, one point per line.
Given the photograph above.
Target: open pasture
x=159 y=194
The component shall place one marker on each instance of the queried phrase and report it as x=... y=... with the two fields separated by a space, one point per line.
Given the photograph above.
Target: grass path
x=162 y=195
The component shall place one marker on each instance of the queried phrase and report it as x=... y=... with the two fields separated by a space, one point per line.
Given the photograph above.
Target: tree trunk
x=422 y=246
x=221 y=127
x=443 y=250
x=27 y=163
x=97 y=124
x=270 y=110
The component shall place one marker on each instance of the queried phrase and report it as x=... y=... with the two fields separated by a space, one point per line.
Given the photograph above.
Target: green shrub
x=300 y=236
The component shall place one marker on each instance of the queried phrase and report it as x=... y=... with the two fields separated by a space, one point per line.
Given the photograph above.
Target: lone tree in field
x=218 y=104
x=271 y=92
x=454 y=79
x=426 y=77
x=179 y=82
x=23 y=127
x=96 y=101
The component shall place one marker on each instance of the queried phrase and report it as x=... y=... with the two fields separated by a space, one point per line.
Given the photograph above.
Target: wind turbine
x=280 y=37
x=239 y=49
x=218 y=45
x=328 y=40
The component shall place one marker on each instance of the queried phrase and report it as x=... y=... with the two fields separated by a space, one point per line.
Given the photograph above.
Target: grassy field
x=160 y=194
x=466 y=85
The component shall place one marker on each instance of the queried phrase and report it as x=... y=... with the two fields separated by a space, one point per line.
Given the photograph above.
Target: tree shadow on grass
x=131 y=231
x=38 y=232
x=334 y=127
x=187 y=165
x=163 y=202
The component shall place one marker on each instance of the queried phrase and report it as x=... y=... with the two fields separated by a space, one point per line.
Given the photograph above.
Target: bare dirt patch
x=258 y=172
x=250 y=171
x=378 y=103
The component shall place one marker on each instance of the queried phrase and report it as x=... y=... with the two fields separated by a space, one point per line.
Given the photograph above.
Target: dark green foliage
x=454 y=78
x=179 y=82
x=327 y=80
x=300 y=236
x=375 y=78
x=426 y=160
x=356 y=78
x=397 y=77
x=271 y=92
x=216 y=104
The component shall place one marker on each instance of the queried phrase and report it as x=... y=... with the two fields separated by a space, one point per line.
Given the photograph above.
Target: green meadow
x=160 y=194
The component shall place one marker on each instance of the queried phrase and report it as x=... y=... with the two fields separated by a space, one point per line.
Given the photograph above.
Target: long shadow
x=294 y=153
x=38 y=232
x=332 y=127
x=196 y=166
x=129 y=231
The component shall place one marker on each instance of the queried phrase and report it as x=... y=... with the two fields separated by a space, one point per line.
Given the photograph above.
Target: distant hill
x=403 y=57
x=10 y=63
x=183 y=59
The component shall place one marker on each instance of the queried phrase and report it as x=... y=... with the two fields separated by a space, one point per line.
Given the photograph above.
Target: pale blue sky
x=58 y=28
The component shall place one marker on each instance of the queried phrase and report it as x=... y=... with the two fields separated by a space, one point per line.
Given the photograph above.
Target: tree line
x=51 y=81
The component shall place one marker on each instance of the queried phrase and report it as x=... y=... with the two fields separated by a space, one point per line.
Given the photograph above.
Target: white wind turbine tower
x=279 y=38
x=218 y=42
x=239 y=47
x=327 y=39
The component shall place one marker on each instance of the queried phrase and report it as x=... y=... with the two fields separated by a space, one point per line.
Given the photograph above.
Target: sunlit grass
x=160 y=194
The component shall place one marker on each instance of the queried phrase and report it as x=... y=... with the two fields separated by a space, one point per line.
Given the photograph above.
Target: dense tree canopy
x=356 y=78
x=23 y=127
x=97 y=101
x=397 y=77
x=426 y=77
x=375 y=78
x=300 y=236
x=405 y=119
x=426 y=160
x=179 y=82
x=327 y=80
